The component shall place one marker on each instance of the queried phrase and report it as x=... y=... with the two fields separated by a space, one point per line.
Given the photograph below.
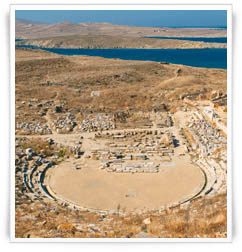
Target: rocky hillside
x=122 y=85
x=101 y=42
x=34 y=30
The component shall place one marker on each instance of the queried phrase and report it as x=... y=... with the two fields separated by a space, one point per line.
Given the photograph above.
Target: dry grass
x=42 y=146
x=203 y=218
x=133 y=85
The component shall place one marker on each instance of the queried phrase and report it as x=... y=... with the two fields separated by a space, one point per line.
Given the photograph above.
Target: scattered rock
x=147 y=221
x=58 y=109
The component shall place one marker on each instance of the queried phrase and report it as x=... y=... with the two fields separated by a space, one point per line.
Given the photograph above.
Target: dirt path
x=49 y=122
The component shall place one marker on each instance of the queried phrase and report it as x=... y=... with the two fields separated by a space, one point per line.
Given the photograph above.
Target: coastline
x=112 y=42
x=121 y=57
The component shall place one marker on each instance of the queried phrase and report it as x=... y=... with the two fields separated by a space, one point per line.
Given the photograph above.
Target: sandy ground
x=94 y=188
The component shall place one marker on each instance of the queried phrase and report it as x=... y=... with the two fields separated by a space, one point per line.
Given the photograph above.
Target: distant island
x=105 y=42
x=28 y=30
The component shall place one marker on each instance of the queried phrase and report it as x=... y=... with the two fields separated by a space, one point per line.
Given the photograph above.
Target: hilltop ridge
x=107 y=42
x=30 y=30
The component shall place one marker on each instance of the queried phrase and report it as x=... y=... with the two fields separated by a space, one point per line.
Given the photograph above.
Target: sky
x=155 y=18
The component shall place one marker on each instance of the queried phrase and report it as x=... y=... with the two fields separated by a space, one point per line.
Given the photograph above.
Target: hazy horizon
x=154 y=18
